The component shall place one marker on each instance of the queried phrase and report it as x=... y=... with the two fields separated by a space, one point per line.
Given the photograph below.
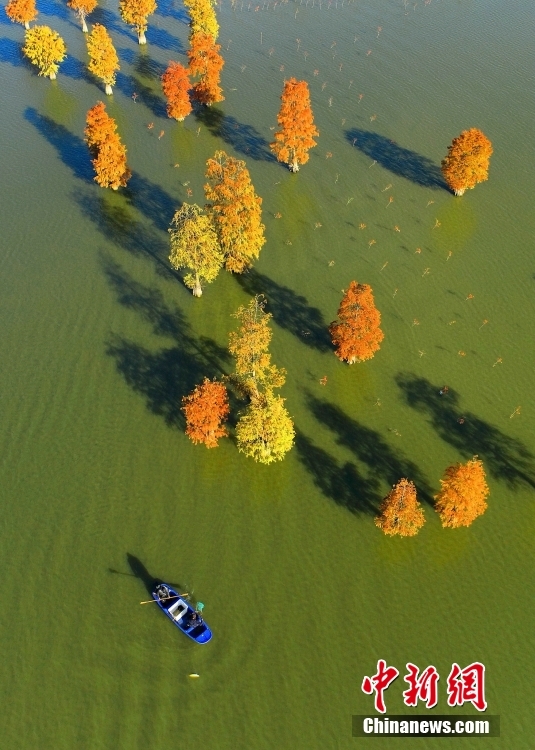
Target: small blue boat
x=181 y=613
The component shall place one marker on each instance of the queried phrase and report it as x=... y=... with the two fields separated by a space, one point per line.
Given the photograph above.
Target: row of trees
x=462 y=498
x=264 y=430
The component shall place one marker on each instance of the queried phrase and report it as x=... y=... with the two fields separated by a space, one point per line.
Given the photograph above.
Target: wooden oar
x=176 y=596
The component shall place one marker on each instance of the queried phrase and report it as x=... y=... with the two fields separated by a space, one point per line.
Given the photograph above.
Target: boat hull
x=179 y=611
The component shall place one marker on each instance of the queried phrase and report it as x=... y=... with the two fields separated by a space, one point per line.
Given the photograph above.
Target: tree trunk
x=459 y=192
x=84 y=25
x=294 y=166
x=115 y=187
x=142 y=38
x=197 y=289
x=52 y=76
x=26 y=25
x=109 y=89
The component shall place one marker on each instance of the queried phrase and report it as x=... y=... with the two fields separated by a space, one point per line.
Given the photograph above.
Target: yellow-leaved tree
x=297 y=130
x=103 y=60
x=45 y=49
x=467 y=162
x=135 y=13
x=401 y=513
x=265 y=431
x=21 y=11
x=235 y=209
x=194 y=245
x=82 y=8
x=462 y=497
x=202 y=17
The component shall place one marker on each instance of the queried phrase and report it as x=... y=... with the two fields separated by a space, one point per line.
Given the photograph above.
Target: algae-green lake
x=101 y=489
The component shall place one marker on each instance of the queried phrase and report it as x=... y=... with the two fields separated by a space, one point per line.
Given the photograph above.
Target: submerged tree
x=205 y=410
x=205 y=63
x=203 y=17
x=467 y=162
x=83 y=8
x=462 y=497
x=401 y=513
x=235 y=209
x=249 y=346
x=109 y=153
x=265 y=431
x=296 y=136
x=194 y=245
x=44 y=48
x=135 y=13
x=21 y=11
x=176 y=87
x=356 y=334
x=103 y=60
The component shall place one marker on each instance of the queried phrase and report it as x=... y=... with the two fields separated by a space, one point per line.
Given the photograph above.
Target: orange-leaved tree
x=296 y=136
x=103 y=60
x=135 y=13
x=205 y=410
x=235 y=209
x=462 y=497
x=176 y=87
x=21 y=11
x=82 y=8
x=194 y=245
x=203 y=17
x=45 y=49
x=205 y=63
x=249 y=346
x=401 y=513
x=105 y=145
x=467 y=162
x=356 y=334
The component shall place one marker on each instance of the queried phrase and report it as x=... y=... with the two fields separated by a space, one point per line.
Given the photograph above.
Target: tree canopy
x=135 y=13
x=205 y=63
x=357 y=335
x=467 y=162
x=265 y=431
x=45 y=49
x=400 y=511
x=176 y=87
x=205 y=410
x=105 y=145
x=103 y=60
x=194 y=245
x=21 y=11
x=296 y=121
x=235 y=209
x=82 y=8
x=203 y=17
x=463 y=494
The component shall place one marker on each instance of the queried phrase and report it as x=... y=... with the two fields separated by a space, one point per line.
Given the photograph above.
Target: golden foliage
x=82 y=8
x=296 y=136
x=462 y=497
x=176 y=87
x=235 y=209
x=21 y=11
x=135 y=13
x=249 y=345
x=401 y=513
x=356 y=334
x=206 y=63
x=103 y=62
x=194 y=245
x=265 y=431
x=467 y=162
x=105 y=145
x=205 y=409
x=203 y=17
x=45 y=49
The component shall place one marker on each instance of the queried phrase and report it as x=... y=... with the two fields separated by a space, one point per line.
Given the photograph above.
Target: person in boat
x=162 y=591
x=194 y=620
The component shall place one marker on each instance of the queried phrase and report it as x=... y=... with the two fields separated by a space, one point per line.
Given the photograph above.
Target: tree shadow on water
x=398 y=160
x=71 y=149
x=140 y=571
x=339 y=482
x=245 y=139
x=165 y=375
x=383 y=462
x=290 y=310
x=506 y=458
